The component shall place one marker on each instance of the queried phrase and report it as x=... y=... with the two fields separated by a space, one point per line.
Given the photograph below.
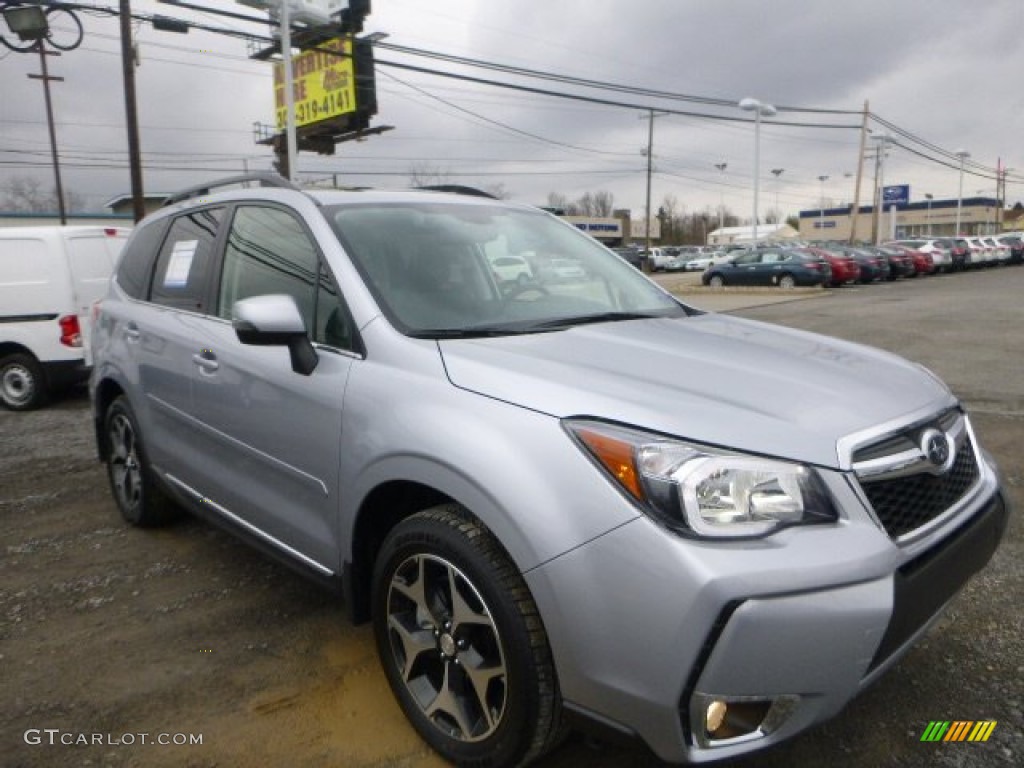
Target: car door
x=745 y=269
x=270 y=437
x=157 y=336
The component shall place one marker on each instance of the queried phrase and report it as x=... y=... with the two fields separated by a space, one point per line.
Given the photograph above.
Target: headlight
x=706 y=491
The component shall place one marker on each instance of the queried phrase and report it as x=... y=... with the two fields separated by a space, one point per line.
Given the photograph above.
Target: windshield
x=450 y=269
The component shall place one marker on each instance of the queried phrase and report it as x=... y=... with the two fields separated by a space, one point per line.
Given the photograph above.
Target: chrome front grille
x=908 y=486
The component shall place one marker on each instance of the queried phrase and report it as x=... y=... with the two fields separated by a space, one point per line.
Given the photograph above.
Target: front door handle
x=206 y=360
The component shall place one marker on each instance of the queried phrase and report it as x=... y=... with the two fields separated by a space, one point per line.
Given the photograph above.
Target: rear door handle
x=207 y=361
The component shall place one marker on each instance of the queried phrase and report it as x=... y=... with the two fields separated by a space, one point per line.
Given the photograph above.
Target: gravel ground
x=126 y=635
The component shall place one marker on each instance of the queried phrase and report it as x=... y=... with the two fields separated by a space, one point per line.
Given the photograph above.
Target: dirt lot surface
x=131 y=637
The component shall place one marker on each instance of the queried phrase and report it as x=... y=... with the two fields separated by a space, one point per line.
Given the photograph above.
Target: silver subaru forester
x=561 y=496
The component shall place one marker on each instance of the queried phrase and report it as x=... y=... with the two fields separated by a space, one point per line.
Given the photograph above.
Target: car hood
x=709 y=378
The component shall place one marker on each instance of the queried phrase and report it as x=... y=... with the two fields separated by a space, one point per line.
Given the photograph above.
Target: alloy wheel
x=446 y=648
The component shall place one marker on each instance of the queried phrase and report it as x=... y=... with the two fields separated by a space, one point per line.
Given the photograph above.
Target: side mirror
x=274 y=320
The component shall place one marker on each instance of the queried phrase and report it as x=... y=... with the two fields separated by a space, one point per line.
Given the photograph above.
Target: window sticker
x=180 y=263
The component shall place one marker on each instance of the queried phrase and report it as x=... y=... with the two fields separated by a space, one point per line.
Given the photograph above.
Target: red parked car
x=923 y=264
x=845 y=269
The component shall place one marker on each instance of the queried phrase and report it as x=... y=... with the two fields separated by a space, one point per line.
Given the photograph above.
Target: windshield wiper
x=599 y=317
x=473 y=332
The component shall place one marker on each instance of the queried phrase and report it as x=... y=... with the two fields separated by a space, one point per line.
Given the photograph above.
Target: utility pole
x=879 y=203
x=650 y=155
x=855 y=211
x=46 y=78
x=131 y=111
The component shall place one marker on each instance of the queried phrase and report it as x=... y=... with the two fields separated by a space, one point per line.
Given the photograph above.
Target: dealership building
x=936 y=218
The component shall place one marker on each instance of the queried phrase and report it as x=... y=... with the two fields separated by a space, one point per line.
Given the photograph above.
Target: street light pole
x=759 y=109
x=821 y=210
x=963 y=154
x=928 y=216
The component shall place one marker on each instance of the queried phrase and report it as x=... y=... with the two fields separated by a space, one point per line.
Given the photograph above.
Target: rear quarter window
x=138 y=256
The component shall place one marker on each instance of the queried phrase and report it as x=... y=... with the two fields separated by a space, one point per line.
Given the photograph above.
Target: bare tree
x=497 y=190
x=604 y=203
x=26 y=194
x=426 y=174
x=558 y=201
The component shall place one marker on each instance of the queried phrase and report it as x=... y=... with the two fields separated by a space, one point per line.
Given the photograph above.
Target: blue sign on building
x=898 y=194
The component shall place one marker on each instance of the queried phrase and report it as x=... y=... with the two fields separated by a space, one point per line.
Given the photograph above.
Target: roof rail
x=458 y=189
x=263 y=179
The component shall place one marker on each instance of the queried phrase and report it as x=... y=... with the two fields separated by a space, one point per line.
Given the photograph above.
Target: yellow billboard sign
x=323 y=84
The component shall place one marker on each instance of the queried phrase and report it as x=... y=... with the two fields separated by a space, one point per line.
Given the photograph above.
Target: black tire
x=462 y=643
x=140 y=500
x=716 y=281
x=22 y=385
x=787 y=282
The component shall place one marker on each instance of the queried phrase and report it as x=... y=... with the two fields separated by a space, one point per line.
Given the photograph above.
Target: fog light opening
x=728 y=720
x=715 y=717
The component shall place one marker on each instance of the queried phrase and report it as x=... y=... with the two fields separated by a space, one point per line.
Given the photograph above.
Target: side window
x=180 y=278
x=137 y=258
x=268 y=251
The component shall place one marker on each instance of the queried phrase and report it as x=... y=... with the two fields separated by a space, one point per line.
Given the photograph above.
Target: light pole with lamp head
x=928 y=216
x=963 y=154
x=760 y=110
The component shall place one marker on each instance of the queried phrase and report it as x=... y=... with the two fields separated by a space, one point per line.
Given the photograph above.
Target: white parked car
x=49 y=278
x=657 y=258
x=511 y=269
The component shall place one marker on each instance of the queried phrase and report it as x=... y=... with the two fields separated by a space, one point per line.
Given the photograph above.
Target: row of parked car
x=834 y=264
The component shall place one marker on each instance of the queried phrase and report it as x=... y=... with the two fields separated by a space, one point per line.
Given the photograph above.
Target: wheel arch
x=8 y=348
x=384 y=507
x=104 y=393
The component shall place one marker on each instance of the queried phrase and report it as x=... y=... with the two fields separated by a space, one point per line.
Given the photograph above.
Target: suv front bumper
x=650 y=630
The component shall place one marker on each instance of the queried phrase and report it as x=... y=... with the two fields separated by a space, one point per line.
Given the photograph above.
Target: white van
x=49 y=278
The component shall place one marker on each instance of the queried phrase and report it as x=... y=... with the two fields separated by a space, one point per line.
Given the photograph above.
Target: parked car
x=1000 y=252
x=579 y=499
x=977 y=253
x=769 y=266
x=1015 y=244
x=873 y=266
x=562 y=269
x=511 y=268
x=656 y=258
x=49 y=278
x=922 y=262
x=633 y=256
x=900 y=264
x=940 y=250
x=845 y=268
x=706 y=259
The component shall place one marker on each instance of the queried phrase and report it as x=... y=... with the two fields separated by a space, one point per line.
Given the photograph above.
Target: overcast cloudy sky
x=947 y=72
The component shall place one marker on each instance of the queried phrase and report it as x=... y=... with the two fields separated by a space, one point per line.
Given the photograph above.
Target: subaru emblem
x=935 y=446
